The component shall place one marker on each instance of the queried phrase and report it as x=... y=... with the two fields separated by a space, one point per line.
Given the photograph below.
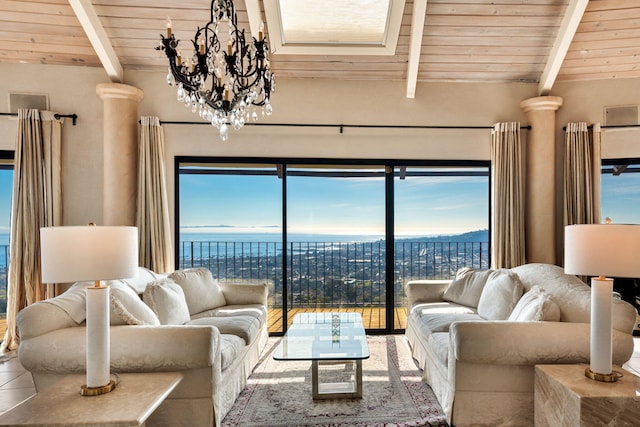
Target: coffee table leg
x=314 y=379
x=359 y=378
x=315 y=383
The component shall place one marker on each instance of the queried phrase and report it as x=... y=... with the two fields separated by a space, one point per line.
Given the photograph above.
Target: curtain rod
x=73 y=116
x=610 y=126
x=341 y=126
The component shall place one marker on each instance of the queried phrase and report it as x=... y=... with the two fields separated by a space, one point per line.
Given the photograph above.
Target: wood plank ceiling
x=462 y=40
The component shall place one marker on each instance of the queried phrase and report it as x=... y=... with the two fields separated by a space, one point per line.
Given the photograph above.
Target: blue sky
x=621 y=198
x=6 y=179
x=424 y=205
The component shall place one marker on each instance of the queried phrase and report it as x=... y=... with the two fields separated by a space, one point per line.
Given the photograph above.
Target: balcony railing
x=322 y=275
x=333 y=274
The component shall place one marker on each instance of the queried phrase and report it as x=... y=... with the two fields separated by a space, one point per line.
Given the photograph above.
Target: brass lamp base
x=95 y=391
x=605 y=378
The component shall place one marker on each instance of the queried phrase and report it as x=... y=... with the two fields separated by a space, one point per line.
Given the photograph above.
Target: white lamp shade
x=611 y=250
x=88 y=253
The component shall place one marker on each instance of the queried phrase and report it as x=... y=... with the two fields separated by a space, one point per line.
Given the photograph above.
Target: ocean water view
x=275 y=237
x=4 y=252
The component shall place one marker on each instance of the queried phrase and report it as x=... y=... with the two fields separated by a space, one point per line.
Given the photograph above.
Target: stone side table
x=565 y=397
x=129 y=404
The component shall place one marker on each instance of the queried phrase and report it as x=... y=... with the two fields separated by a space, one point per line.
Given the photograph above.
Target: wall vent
x=28 y=100
x=622 y=115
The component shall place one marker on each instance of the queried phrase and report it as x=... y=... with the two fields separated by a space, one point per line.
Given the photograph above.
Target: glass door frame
x=389 y=165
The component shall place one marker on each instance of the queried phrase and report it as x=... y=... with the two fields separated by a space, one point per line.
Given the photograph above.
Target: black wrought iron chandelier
x=224 y=86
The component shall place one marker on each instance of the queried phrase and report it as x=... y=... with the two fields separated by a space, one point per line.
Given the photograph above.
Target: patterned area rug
x=279 y=393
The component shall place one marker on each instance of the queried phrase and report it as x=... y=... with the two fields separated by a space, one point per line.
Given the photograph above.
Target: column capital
x=119 y=91
x=552 y=103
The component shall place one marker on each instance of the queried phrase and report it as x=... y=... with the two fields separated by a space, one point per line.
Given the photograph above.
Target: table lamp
x=91 y=253
x=601 y=250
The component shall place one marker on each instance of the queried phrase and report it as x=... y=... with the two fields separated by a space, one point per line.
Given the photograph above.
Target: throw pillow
x=201 y=291
x=139 y=282
x=466 y=287
x=500 y=295
x=536 y=305
x=126 y=307
x=167 y=301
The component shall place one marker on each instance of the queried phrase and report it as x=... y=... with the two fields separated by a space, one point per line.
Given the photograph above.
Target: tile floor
x=16 y=384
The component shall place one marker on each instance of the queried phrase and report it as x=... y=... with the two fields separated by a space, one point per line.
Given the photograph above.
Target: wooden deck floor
x=373 y=318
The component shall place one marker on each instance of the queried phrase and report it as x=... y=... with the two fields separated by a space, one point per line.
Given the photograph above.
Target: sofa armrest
x=528 y=343
x=133 y=349
x=40 y=318
x=424 y=291
x=242 y=294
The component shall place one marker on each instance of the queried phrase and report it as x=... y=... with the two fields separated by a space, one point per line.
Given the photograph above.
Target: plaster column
x=540 y=179
x=120 y=180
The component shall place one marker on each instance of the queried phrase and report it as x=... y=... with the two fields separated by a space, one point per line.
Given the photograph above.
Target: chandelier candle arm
x=239 y=80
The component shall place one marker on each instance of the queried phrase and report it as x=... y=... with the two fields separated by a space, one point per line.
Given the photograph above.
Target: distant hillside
x=471 y=236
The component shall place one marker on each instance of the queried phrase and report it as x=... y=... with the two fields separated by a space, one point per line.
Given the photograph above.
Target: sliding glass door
x=230 y=218
x=329 y=235
x=335 y=240
x=441 y=224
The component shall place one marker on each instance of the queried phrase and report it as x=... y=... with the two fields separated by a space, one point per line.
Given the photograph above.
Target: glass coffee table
x=327 y=339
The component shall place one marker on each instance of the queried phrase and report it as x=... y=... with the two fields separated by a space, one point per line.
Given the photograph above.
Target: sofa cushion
x=442 y=322
x=500 y=295
x=442 y=307
x=438 y=316
x=230 y=349
x=126 y=307
x=466 y=287
x=246 y=327
x=201 y=291
x=536 y=305
x=258 y=311
x=167 y=301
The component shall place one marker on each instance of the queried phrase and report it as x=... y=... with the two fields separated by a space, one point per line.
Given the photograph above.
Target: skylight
x=334 y=27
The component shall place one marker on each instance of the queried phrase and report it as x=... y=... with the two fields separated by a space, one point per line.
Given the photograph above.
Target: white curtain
x=581 y=175
x=154 y=228
x=507 y=196
x=36 y=202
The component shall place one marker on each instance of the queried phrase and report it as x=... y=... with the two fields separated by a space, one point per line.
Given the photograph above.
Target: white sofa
x=478 y=337
x=213 y=333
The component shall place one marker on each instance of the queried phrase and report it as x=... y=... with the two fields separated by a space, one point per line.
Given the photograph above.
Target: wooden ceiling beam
x=567 y=30
x=90 y=22
x=418 y=18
